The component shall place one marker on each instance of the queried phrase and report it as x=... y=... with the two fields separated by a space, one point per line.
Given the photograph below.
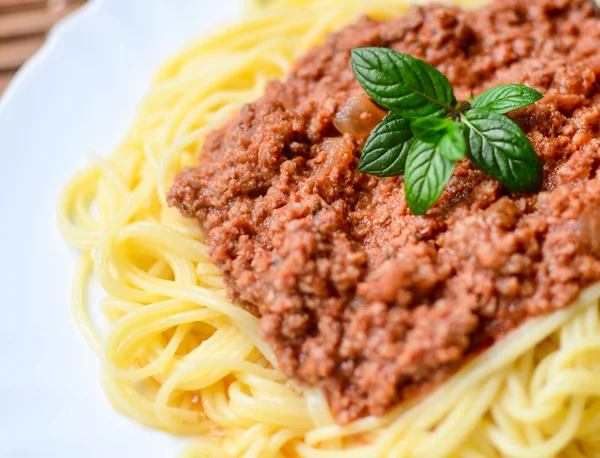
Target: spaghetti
x=179 y=356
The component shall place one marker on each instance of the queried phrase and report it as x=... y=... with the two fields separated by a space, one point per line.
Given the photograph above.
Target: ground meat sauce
x=356 y=294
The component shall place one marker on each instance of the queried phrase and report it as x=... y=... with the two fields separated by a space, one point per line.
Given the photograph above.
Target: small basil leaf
x=426 y=175
x=430 y=129
x=453 y=145
x=506 y=97
x=401 y=83
x=385 y=151
x=499 y=148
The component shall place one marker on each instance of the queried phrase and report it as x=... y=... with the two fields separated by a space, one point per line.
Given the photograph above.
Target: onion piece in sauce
x=358 y=116
x=588 y=225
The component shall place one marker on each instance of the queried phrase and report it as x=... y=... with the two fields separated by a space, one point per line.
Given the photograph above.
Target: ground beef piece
x=355 y=293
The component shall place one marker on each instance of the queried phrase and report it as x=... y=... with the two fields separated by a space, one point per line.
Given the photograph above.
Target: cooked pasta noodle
x=179 y=356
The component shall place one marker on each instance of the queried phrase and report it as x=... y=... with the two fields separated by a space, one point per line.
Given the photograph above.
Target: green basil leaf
x=430 y=129
x=506 y=97
x=453 y=145
x=385 y=151
x=426 y=175
x=401 y=83
x=499 y=148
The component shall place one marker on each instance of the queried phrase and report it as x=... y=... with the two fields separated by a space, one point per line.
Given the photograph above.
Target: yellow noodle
x=178 y=356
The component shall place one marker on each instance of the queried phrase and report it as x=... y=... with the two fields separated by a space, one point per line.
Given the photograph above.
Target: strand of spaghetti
x=216 y=407
x=127 y=335
x=168 y=238
x=104 y=250
x=79 y=303
x=358 y=452
x=214 y=102
x=551 y=446
x=82 y=233
x=110 y=172
x=203 y=296
x=468 y=413
x=590 y=423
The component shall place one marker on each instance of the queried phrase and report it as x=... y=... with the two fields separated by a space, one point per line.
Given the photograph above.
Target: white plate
x=77 y=95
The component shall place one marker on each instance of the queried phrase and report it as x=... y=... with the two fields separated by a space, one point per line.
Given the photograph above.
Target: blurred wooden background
x=23 y=28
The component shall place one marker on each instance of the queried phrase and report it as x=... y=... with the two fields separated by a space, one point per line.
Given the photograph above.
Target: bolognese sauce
x=354 y=293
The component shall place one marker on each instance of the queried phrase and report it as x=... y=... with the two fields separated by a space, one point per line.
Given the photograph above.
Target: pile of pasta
x=177 y=355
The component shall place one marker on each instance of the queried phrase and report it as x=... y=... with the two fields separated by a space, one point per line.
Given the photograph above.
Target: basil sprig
x=427 y=131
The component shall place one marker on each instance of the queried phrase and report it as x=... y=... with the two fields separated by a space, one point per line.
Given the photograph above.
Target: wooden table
x=23 y=28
